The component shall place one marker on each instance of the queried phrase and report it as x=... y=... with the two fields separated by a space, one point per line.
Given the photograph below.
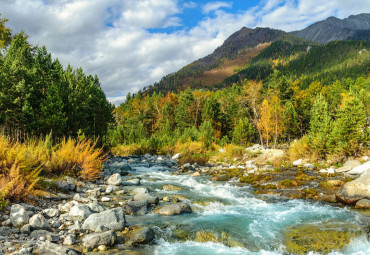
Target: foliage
x=192 y=152
x=299 y=149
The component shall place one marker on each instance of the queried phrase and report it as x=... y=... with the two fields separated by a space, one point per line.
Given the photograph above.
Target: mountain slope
x=235 y=53
x=355 y=27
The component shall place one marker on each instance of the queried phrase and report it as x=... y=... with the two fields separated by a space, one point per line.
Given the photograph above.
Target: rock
x=65 y=186
x=95 y=207
x=309 y=166
x=49 y=248
x=349 y=165
x=169 y=187
x=335 y=183
x=80 y=212
x=26 y=229
x=323 y=171
x=122 y=166
x=136 y=207
x=51 y=212
x=144 y=235
x=105 y=199
x=173 y=209
x=187 y=166
x=69 y=240
x=18 y=216
x=139 y=190
x=38 y=221
x=67 y=206
x=353 y=191
x=7 y=223
x=298 y=162
x=91 y=241
x=176 y=156
x=195 y=174
x=331 y=171
x=220 y=178
x=358 y=170
x=363 y=204
x=81 y=199
x=115 y=180
x=146 y=197
x=44 y=234
x=93 y=193
x=113 y=219
x=132 y=182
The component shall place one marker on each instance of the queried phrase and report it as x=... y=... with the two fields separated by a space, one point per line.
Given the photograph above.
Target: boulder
x=136 y=207
x=49 y=248
x=135 y=191
x=18 y=216
x=169 y=187
x=358 y=170
x=95 y=206
x=298 y=162
x=115 y=180
x=349 y=165
x=113 y=219
x=144 y=235
x=195 y=174
x=176 y=156
x=26 y=229
x=132 y=182
x=173 y=209
x=67 y=206
x=69 y=240
x=107 y=238
x=38 y=221
x=363 y=204
x=353 y=191
x=186 y=166
x=80 y=212
x=146 y=197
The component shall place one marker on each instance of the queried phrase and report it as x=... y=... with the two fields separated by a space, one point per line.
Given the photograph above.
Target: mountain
x=235 y=53
x=355 y=27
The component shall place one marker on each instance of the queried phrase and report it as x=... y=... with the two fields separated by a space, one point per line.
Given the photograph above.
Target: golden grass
x=21 y=164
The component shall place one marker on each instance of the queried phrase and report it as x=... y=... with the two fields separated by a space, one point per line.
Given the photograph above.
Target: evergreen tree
x=290 y=117
x=206 y=133
x=243 y=132
x=320 y=125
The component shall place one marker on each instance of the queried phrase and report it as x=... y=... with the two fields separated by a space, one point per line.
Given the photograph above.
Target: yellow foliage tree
x=265 y=123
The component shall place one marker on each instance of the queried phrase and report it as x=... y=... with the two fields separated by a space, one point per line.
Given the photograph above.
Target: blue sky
x=130 y=44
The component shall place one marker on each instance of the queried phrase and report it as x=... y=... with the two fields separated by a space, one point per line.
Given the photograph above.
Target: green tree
x=206 y=133
x=244 y=132
x=320 y=125
x=291 y=124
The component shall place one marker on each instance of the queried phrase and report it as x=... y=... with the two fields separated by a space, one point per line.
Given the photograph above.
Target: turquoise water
x=258 y=223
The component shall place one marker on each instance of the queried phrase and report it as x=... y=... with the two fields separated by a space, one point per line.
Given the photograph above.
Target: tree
x=183 y=113
x=320 y=125
x=5 y=35
x=290 y=118
x=206 y=133
x=277 y=117
x=350 y=133
x=243 y=133
x=265 y=123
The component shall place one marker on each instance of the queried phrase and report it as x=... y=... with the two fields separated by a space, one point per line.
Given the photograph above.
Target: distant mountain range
x=255 y=53
x=355 y=27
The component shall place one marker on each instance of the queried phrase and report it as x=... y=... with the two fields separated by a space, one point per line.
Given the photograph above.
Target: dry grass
x=22 y=163
x=192 y=152
x=299 y=149
x=128 y=150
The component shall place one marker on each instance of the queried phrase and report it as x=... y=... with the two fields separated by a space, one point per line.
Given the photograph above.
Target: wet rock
x=349 y=165
x=323 y=238
x=49 y=248
x=105 y=199
x=115 y=180
x=195 y=174
x=113 y=219
x=173 y=209
x=144 y=235
x=169 y=187
x=146 y=197
x=353 y=191
x=80 y=212
x=120 y=166
x=358 y=170
x=18 y=216
x=45 y=235
x=363 y=204
x=136 y=191
x=38 y=221
x=51 y=212
x=136 y=207
x=220 y=178
x=91 y=241
x=186 y=166
x=65 y=186
x=132 y=182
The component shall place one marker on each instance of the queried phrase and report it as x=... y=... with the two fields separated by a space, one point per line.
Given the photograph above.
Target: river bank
x=150 y=205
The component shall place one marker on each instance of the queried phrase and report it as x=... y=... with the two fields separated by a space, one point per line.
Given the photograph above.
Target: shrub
x=234 y=151
x=192 y=152
x=128 y=150
x=299 y=149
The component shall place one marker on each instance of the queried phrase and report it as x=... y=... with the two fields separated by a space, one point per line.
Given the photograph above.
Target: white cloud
x=110 y=37
x=213 y=6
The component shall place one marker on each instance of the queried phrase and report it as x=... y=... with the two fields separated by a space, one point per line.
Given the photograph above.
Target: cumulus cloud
x=112 y=38
x=213 y=6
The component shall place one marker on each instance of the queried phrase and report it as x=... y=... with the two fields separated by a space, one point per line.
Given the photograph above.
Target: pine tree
x=243 y=132
x=290 y=118
x=320 y=125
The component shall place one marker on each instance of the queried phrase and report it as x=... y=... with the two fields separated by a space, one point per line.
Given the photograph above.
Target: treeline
x=252 y=112
x=39 y=96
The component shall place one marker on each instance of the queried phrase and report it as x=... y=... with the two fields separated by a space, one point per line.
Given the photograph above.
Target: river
x=230 y=219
